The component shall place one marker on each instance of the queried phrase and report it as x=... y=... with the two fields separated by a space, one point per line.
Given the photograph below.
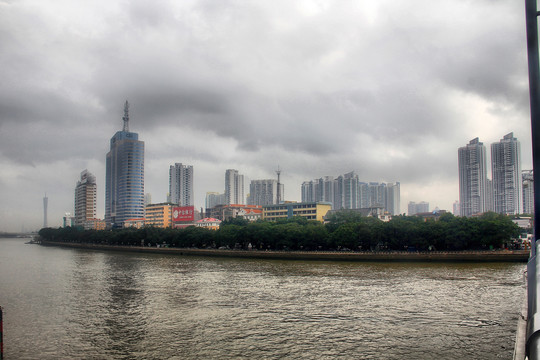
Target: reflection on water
x=65 y=304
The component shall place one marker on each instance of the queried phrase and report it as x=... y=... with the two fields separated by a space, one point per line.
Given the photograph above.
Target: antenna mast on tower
x=278 y=194
x=126 y=117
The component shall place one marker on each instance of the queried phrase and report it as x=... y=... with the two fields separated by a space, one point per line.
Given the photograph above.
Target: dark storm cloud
x=191 y=87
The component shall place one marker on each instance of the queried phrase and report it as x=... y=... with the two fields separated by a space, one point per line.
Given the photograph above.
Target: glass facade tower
x=124 y=179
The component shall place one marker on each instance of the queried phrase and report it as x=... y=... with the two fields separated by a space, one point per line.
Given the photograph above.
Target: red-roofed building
x=209 y=223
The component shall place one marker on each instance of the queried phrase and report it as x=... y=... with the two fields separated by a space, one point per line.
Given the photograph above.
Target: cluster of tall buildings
x=125 y=199
x=509 y=191
x=347 y=192
x=261 y=192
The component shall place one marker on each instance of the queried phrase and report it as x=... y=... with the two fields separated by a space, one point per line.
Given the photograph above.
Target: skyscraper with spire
x=124 y=179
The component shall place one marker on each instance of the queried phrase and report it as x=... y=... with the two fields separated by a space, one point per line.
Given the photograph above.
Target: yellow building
x=94 y=224
x=159 y=215
x=309 y=210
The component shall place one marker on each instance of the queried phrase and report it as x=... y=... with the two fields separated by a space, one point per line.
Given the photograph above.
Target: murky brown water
x=75 y=304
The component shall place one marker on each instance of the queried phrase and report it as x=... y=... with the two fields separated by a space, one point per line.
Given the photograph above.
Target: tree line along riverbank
x=345 y=231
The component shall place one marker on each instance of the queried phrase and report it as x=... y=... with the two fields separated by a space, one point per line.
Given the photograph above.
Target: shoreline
x=391 y=256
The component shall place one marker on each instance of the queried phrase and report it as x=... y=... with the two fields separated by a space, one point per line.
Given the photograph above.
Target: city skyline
x=348 y=192
x=386 y=89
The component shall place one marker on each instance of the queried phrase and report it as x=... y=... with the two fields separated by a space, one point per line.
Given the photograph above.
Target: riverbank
x=394 y=256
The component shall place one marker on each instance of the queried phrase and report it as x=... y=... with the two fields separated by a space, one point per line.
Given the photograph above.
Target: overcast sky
x=389 y=89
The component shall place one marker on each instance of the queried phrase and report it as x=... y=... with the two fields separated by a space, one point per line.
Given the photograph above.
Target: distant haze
x=387 y=89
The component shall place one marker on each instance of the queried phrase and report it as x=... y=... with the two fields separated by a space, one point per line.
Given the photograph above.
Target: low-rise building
x=159 y=215
x=209 y=223
x=433 y=215
x=136 y=223
x=94 y=224
x=309 y=210
x=374 y=211
x=226 y=212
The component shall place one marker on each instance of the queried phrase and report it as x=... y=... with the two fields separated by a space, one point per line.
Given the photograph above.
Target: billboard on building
x=183 y=213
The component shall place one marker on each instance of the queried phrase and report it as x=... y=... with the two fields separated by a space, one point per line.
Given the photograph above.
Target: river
x=80 y=304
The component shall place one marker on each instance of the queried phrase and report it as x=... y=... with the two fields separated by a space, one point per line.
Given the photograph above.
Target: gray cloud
x=387 y=89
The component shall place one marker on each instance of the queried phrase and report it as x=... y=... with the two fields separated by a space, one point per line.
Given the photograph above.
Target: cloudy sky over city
x=387 y=89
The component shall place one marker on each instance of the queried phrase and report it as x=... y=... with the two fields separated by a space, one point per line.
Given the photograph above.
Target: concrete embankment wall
x=458 y=256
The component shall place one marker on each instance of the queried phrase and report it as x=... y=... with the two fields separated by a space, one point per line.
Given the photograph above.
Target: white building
x=416 y=208
x=393 y=198
x=472 y=178
x=318 y=190
x=506 y=172
x=181 y=184
x=528 y=191
x=455 y=208
x=347 y=192
x=213 y=199
x=234 y=187
x=264 y=192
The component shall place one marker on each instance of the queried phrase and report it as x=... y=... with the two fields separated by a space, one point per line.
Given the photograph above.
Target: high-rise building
x=363 y=195
x=506 y=172
x=472 y=178
x=346 y=191
x=489 y=195
x=213 y=199
x=417 y=208
x=377 y=194
x=393 y=198
x=528 y=191
x=455 y=208
x=124 y=179
x=308 y=192
x=234 y=187
x=326 y=185
x=147 y=199
x=264 y=192
x=319 y=190
x=85 y=199
x=181 y=184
